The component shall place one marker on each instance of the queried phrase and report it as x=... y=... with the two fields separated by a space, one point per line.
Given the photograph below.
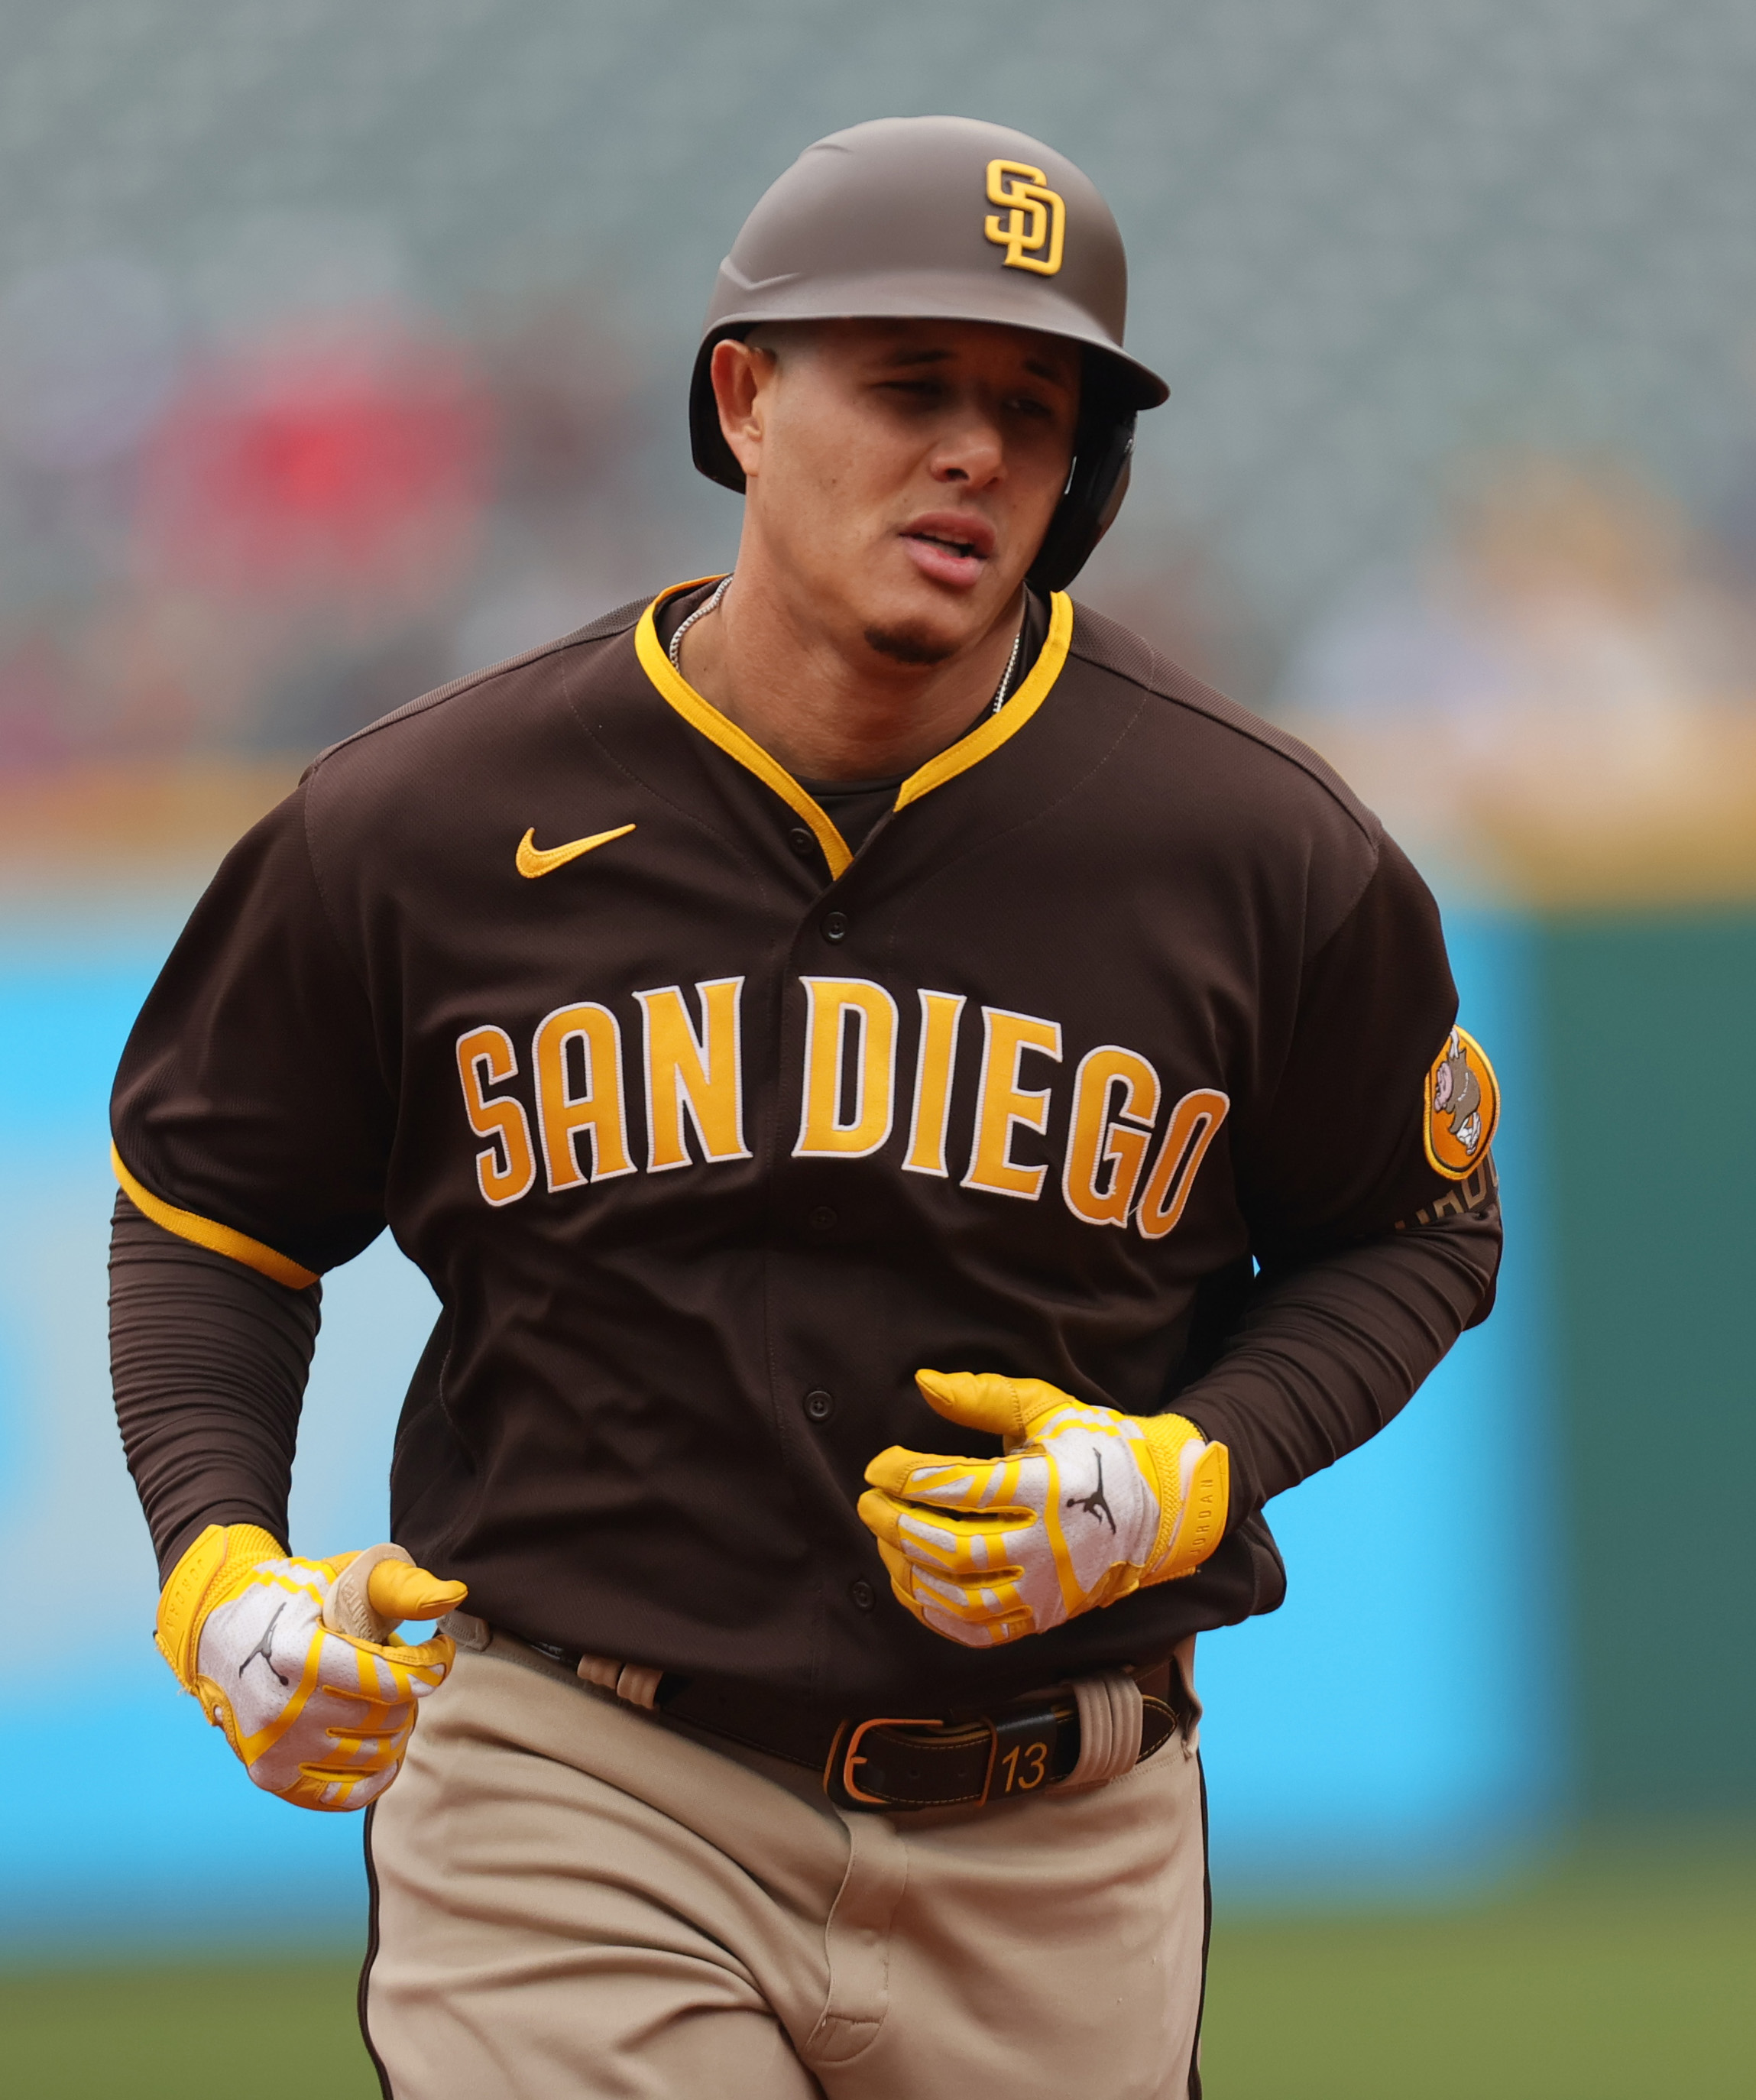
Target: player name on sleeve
x=560 y=1113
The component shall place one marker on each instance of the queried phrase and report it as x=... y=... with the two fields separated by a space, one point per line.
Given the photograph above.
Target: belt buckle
x=842 y=1763
x=1017 y=1758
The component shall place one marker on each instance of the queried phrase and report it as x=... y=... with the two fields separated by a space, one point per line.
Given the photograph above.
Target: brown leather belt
x=917 y=1760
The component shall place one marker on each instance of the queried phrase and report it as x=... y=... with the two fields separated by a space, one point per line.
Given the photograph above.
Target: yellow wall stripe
x=992 y=732
x=703 y=715
x=217 y=1239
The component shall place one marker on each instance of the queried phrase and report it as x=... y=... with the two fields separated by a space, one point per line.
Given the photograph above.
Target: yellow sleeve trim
x=991 y=734
x=718 y=729
x=217 y=1239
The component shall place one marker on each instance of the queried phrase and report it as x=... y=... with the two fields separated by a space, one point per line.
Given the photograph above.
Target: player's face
x=902 y=474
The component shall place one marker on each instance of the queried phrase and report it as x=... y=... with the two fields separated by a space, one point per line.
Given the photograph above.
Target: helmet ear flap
x=1088 y=508
x=1114 y=502
x=707 y=441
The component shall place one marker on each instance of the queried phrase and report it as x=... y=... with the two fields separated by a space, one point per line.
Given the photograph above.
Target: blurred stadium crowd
x=1559 y=697
x=254 y=532
x=342 y=352
x=248 y=530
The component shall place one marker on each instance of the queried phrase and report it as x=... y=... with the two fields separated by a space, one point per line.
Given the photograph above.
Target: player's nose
x=970 y=450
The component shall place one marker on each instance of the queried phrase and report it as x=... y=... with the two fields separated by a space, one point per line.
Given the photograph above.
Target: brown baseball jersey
x=707 y=1131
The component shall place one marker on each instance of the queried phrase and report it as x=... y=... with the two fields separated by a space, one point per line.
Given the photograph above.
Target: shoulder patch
x=1461 y=1107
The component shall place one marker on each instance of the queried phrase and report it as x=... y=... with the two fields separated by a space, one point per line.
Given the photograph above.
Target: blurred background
x=343 y=349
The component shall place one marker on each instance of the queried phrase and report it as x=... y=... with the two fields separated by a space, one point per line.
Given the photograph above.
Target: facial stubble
x=909 y=645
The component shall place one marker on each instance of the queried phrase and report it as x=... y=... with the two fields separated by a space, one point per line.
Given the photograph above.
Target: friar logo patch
x=1462 y=1106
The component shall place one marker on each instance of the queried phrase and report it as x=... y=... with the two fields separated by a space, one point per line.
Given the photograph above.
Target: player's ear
x=738 y=371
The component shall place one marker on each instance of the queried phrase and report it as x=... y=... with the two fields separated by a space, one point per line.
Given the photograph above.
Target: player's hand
x=298 y=1660
x=1086 y=1505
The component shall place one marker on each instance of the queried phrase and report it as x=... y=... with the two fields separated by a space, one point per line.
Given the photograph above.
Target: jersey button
x=835 y=926
x=819 y=1404
x=802 y=842
x=822 y=1219
x=862 y=1593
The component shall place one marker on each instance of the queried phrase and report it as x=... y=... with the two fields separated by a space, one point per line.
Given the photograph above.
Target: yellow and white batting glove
x=298 y=1662
x=1086 y=1505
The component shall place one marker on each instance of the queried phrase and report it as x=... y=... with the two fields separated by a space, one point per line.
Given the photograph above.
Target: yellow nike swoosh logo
x=535 y=860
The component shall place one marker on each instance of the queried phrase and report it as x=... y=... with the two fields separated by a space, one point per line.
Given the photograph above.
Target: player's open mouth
x=951 y=549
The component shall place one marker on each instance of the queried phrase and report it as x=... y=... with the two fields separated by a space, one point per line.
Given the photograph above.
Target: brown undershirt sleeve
x=208 y=1361
x=1326 y=1353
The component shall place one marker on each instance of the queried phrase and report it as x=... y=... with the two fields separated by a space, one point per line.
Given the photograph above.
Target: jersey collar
x=987 y=736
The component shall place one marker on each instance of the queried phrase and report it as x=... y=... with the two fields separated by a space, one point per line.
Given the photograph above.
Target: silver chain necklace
x=709 y=605
x=1012 y=665
x=683 y=626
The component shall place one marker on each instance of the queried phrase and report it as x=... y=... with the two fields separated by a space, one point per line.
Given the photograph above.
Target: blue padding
x=1397 y=1720
x=128 y=1819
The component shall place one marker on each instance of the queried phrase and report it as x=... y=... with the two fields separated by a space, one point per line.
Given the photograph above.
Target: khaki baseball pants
x=573 y=1900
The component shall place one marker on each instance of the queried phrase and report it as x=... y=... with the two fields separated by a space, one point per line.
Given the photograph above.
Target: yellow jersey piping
x=216 y=1238
x=989 y=734
x=718 y=729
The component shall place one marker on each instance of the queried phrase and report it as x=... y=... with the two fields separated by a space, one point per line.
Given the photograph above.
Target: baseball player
x=921 y=1119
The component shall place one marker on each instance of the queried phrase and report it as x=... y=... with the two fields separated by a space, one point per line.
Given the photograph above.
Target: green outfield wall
x=1649 y=1027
